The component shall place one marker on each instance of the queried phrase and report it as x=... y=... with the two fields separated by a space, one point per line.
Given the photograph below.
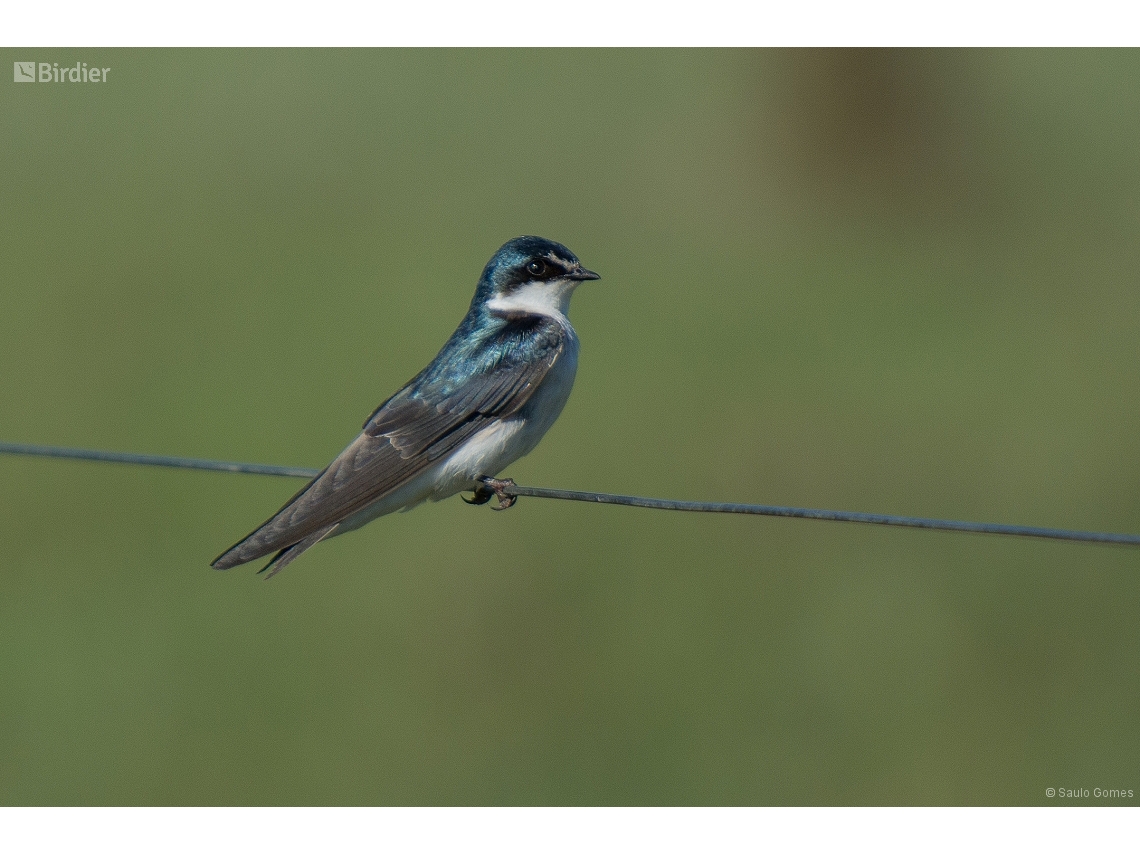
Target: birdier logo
x=53 y=72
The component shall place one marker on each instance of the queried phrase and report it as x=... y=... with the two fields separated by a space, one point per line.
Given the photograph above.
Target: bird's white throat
x=551 y=299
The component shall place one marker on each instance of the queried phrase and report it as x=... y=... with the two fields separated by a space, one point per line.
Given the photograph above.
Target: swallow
x=486 y=400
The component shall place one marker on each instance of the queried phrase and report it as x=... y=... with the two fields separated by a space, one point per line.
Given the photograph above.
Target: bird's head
x=530 y=276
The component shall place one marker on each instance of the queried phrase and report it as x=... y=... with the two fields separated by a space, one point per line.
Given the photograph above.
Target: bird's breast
x=503 y=442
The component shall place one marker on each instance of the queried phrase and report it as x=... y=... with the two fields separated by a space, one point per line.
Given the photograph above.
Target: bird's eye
x=536 y=267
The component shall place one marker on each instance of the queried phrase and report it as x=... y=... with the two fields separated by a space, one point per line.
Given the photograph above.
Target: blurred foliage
x=895 y=281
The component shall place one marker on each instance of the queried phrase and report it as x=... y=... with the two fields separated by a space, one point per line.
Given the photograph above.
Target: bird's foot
x=496 y=487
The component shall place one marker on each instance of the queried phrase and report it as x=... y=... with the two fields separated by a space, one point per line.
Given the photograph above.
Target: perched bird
x=486 y=400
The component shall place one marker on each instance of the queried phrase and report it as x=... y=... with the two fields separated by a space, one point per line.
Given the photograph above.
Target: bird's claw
x=496 y=487
x=481 y=496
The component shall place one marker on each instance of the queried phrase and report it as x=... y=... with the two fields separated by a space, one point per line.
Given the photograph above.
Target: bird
x=487 y=398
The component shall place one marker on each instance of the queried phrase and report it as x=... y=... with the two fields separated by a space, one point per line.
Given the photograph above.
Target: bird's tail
x=291 y=553
x=252 y=548
x=271 y=536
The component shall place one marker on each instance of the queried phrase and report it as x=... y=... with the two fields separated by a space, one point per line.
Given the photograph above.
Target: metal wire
x=833 y=516
x=155 y=460
x=597 y=498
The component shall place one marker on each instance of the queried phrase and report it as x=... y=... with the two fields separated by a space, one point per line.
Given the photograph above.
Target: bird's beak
x=582 y=274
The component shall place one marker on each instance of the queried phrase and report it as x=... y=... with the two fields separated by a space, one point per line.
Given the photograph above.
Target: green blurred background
x=893 y=281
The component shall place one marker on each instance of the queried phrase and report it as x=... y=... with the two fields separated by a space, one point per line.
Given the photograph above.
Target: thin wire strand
x=833 y=516
x=156 y=460
x=596 y=498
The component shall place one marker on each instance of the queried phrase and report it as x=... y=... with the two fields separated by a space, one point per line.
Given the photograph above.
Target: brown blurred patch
x=870 y=120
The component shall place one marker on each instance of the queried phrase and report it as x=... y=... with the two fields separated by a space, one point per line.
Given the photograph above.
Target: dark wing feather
x=425 y=420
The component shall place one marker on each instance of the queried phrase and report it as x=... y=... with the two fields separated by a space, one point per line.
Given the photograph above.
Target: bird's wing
x=425 y=420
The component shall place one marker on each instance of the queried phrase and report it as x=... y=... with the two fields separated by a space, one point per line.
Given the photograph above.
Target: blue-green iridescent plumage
x=467 y=353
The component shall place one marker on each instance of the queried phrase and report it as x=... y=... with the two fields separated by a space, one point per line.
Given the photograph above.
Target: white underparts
x=496 y=446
